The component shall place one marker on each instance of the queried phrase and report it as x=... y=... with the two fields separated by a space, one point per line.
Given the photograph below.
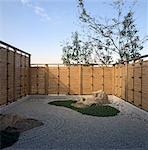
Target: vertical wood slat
x=141 y=82
x=29 y=75
x=81 y=79
x=25 y=68
x=124 y=82
x=37 y=79
x=114 y=76
x=46 y=79
x=14 y=76
x=121 y=81
x=24 y=75
x=20 y=85
x=92 y=83
x=45 y=87
x=133 y=81
x=103 y=79
x=7 y=78
x=68 y=80
x=58 y=91
x=127 y=82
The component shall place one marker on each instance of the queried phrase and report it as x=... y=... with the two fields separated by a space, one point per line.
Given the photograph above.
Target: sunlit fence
x=73 y=79
x=131 y=81
x=128 y=81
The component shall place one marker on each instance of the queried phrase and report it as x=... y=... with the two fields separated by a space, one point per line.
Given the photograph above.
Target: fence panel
x=75 y=81
x=107 y=79
x=10 y=76
x=123 y=81
x=130 y=87
x=97 y=78
x=3 y=75
x=64 y=80
x=137 y=84
x=12 y=73
x=53 y=80
x=86 y=79
x=117 y=80
x=41 y=83
x=145 y=85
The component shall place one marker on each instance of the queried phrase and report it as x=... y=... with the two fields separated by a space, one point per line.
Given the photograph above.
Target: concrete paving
x=65 y=129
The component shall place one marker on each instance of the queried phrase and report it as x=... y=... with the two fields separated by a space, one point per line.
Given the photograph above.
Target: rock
x=7 y=120
x=18 y=122
x=101 y=97
x=79 y=105
x=27 y=124
x=89 y=101
x=98 y=97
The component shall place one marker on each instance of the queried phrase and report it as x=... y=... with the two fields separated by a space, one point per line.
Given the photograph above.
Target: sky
x=40 y=27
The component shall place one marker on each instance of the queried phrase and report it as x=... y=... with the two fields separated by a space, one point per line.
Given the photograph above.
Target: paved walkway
x=65 y=129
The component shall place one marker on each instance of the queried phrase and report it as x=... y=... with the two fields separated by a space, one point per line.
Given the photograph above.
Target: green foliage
x=114 y=36
x=76 y=51
x=94 y=110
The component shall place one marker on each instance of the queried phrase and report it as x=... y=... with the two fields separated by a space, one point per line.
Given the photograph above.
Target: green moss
x=94 y=110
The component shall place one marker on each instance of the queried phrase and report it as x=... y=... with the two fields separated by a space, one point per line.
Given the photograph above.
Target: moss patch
x=94 y=110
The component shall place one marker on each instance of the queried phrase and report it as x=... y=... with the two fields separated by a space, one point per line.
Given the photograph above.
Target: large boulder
x=7 y=120
x=18 y=122
x=98 y=97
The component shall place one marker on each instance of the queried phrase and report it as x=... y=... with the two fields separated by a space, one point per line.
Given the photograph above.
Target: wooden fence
x=73 y=79
x=14 y=73
x=128 y=81
x=131 y=82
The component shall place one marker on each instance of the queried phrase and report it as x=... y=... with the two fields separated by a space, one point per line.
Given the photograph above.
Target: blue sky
x=39 y=26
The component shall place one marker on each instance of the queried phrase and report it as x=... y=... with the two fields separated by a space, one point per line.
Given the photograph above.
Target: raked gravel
x=66 y=129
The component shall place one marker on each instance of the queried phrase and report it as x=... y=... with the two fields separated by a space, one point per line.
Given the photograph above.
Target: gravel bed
x=66 y=129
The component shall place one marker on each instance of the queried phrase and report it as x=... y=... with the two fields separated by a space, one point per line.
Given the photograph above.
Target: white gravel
x=65 y=129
